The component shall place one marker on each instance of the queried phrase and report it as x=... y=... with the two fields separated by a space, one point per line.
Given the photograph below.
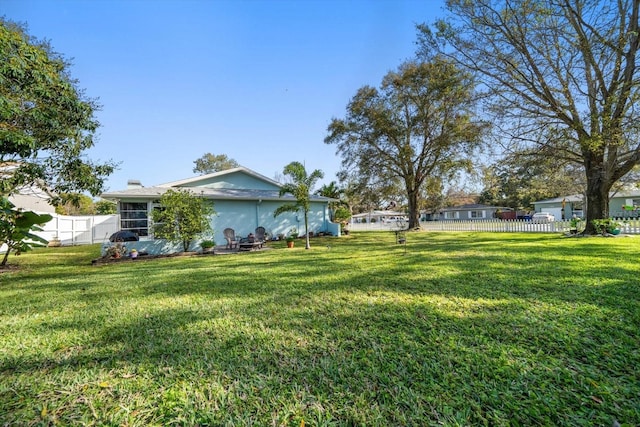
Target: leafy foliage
x=523 y=177
x=418 y=125
x=333 y=191
x=116 y=250
x=16 y=227
x=364 y=193
x=300 y=187
x=182 y=217
x=46 y=122
x=342 y=215
x=606 y=226
x=210 y=163
x=106 y=207
x=75 y=204
x=562 y=80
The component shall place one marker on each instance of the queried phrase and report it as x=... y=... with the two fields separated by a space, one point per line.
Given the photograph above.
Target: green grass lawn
x=454 y=329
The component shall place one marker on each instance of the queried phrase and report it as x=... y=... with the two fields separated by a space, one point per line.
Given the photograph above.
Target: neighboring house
x=472 y=212
x=243 y=200
x=32 y=199
x=623 y=204
x=385 y=216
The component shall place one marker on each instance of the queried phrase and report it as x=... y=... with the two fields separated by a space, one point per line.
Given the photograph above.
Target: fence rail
x=80 y=230
x=77 y=230
x=629 y=226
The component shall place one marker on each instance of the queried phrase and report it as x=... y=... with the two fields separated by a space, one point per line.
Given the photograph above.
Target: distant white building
x=378 y=216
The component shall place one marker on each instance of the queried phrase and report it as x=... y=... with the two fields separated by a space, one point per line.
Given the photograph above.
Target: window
x=134 y=217
x=476 y=214
x=450 y=215
x=157 y=207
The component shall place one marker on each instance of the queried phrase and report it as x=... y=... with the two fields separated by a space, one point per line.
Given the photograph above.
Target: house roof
x=208 y=176
x=473 y=207
x=157 y=191
x=208 y=193
x=570 y=199
x=579 y=197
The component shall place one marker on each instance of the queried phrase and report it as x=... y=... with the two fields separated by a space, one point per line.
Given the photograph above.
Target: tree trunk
x=414 y=213
x=5 y=257
x=597 y=197
x=306 y=230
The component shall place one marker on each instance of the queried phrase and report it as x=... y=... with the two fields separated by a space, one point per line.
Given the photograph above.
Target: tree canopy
x=300 y=186
x=561 y=79
x=75 y=204
x=210 y=163
x=333 y=191
x=46 y=121
x=521 y=178
x=419 y=124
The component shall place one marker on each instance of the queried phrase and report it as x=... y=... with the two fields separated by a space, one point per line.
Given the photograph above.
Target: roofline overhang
x=123 y=196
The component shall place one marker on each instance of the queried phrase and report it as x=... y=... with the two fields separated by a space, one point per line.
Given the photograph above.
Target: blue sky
x=256 y=80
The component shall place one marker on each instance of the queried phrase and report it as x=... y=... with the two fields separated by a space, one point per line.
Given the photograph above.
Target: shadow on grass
x=443 y=330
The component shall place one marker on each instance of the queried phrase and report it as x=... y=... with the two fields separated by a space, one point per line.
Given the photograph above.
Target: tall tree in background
x=210 y=163
x=433 y=196
x=364 y=192
x=521 y=178
x=300 y=186
x=333 y=191
x=106 y=207
x=75 y=204
x=418 y=125
x=46 y=122
x=562 y=77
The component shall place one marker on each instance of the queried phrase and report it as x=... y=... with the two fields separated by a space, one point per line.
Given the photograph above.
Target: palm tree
x=300 y=187
x=332 y=191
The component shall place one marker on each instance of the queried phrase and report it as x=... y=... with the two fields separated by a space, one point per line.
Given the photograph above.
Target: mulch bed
x=143 y=257
x=146 y=257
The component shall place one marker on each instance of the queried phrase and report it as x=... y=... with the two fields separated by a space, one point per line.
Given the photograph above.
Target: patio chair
x=230 y=236
x=261 y=235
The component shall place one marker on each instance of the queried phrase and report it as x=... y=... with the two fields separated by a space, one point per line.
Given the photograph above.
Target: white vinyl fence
x=80 y=230
x=629 y=226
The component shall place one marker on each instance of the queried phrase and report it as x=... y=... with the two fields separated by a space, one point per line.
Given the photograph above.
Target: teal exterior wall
x=245 y=216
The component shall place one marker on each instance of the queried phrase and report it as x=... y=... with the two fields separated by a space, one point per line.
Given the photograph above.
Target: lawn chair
x=261 y=235
x=230 y=236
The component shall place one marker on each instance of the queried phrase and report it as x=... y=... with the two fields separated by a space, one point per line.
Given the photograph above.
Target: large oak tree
x=417 y=125
x=561 y=76
x=46 y=122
